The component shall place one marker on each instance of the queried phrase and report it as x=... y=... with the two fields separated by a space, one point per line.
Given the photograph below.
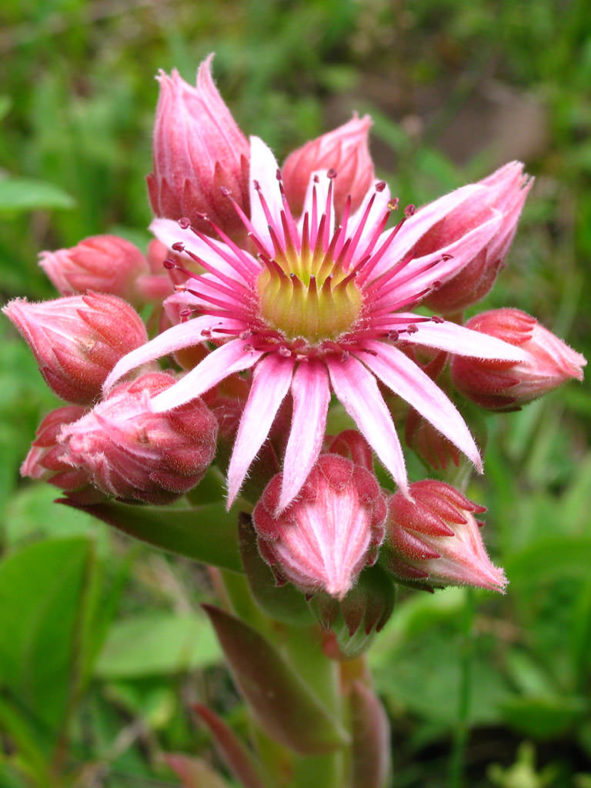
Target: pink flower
x=504 y=192
x=435 y=539
x=498 y=385
x=199 y=154
x=345 y=151
x=77 y=340
x=104 y=263
x=325 y=537
x=129 y=452
x=320 y=308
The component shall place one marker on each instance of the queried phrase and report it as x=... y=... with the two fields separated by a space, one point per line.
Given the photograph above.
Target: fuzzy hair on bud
x=77 y=340
x=499 y=385
x=131 y=453
x=435 y=539
x=334 y=528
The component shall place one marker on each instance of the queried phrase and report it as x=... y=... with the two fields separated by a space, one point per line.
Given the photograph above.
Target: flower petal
x=235 y=356
x=263 y=170
x=357 y=389
x=311 y=396
x=175 y=338
x=170 y=232
x=408 y=380
x=270 y=384
x=463 y=341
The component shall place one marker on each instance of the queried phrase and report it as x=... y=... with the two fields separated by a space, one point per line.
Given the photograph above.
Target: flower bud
x=45 y=459
x=504 y=191
x=132 y=453
x=503 y=385
x=435 y=540
x=78 y=340
x=329 y=532
x=200 y=155
x=345 y=151
x=431 y=446
x=103 y=263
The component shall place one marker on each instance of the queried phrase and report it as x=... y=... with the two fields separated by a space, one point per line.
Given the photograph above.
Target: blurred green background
x=102 y=646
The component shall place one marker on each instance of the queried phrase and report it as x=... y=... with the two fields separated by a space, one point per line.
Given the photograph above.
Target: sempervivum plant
x=284 y=299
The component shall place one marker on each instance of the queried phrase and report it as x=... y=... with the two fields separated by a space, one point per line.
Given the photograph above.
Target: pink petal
x=175 y=338
x=461 y=252
x=170 y=232
x=311 y=396
x=426 y=217
x=463 y=341
x=320 y=188
x=270 y=384
x=357 y=389
x=263 y=170
x=406 y=379
x=235 y=356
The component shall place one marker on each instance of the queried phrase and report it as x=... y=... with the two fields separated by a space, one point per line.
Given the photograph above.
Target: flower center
x=306 y=294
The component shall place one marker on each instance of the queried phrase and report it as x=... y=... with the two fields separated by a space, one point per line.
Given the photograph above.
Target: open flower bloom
x=319 y=308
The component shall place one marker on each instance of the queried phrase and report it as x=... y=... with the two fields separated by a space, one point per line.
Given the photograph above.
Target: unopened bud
x=331 y=531
x=78 y=340
x=200 y=155
x=503 y=193
x=130 y=452
x=45 y=459
x=101 y=263
x=344 y=152
x=434 y=539
x=499 y=385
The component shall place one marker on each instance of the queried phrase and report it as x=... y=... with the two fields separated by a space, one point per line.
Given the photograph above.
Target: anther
x=178 y=246
x=437 y=319
x=331 y=173
x=409 y=210
x=380 y=186
x=393 y=204
x=184 y=223
x=226 y=191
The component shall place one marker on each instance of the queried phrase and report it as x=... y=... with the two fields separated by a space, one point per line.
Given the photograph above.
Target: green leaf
x=282 y=704
x=543 y=716
x=205 y=533
x=24 y=194
x=156 y=643
x=43 y=616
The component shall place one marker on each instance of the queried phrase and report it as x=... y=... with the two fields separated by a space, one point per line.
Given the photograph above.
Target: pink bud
x=432 y=447
x=345 y=151
x=103 y=263
x=435 y=539
x=329 y=533
x=129 y=452
x=78 y=340
x=200 y=155
x=45 y=459
x=498 y=385
x=504 y=191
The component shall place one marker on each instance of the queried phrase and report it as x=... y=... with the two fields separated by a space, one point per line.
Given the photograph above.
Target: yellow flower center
x=306 y=295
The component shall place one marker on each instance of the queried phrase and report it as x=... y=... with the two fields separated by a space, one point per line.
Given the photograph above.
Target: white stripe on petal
x=234 y=356
x=311 y=396
x=408 y=380
x=358 y=390
x=463 y=341
x=175 y=338
x=263 y=170
x=270 y=384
